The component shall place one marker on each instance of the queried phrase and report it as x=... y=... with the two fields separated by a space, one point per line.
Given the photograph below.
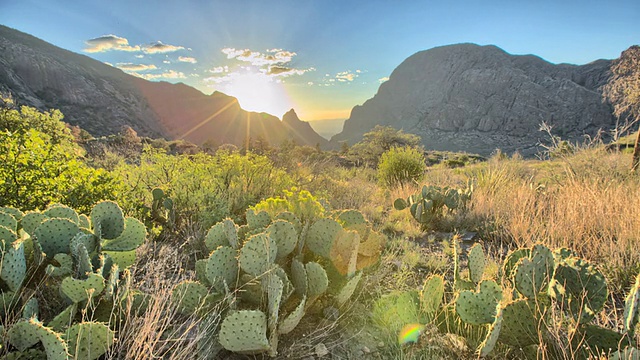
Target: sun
x=258 y=92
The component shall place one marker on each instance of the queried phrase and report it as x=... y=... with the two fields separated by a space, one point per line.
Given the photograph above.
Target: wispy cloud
x=284 y=71
x=187 y=59
x=272 y=63
x=170 y=74
x=383 y=79
x=136 y=67
x=107 y=43
x=160 y=47
x=116 y=43
x=256 y=58
x=346 y=76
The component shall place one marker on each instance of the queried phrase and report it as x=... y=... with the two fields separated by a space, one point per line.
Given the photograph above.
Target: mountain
x=480 y=98
x=101 y=99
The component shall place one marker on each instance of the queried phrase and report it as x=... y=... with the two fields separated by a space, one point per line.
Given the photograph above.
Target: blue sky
x=320 y=57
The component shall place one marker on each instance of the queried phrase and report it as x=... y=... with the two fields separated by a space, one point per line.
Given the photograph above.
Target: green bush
x=41 y=164
x=401 y=165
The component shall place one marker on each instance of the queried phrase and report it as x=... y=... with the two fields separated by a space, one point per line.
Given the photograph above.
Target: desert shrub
x=41 y=164
x=379 y=140
x=401 y=165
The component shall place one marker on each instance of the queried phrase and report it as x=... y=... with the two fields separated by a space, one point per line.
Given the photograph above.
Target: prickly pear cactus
x=285 y=235
x=274 y=296
x=82 y=290
x=108 y=217
x=351 y=217
x=479 y=308
x=222 y=269
x=476 y=263
x=533 y=274
x=64 y=319
x=26 y=333
x=317 y=280
x=258 y=254
x=54 y=235
x=344 y=252
x=293 y=319
x=580 y=287
x=257 y=220
x=321 y=236
x=63 y=212
x=188 y=296
x=16 y=213
x=492 y=337
x=520 y=323
x=7 y=220
x=31 y=220
x=216 y=237
x=245 y=331
x=89 y=340
x=299 y=277
x=131 y=238
x=13 y=265
x=600 y=339
x=348 y=289
x=431 y=295
x=31 y=309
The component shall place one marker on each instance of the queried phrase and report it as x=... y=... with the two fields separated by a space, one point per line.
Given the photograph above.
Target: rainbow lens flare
x=410 y=333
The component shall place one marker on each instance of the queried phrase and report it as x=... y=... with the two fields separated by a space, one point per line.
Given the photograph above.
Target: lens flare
x=410 y=333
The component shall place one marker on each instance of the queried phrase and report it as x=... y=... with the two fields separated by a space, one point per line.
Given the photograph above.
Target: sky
x=320 y=57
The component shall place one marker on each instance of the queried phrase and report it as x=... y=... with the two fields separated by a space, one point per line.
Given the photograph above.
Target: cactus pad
x=492 y=337
x=216 y=237
x=285 y=235
x=321 y=236
x=124 y=259
x=532 y=275
x=431 y=295
x=32 y=330
x=351 y=217
x=580 y=287
x=257 y=220
x=258 y=254
x=63 y=212
x=476 y=263
x=479 y=308
x=89 y=340
x=244 y=331
x=344 y=252
x=7 y=220
x=222 y=268
x=31 y=220
x=317 y=279
x=188 y=296
x=519 y=323
x=17 y=214
x=22 y=335
x=89 y=241
x=108 y=216
x=603 y=340
x=13 y=266
x=81 y=290
x=274 y=295
x=131 y=238
x=348 y=289
x=231 y=231
x=65 y=268
x=299 y=277
x=54 y=235
x=7 y=236
x=31 y=309
x=290 y=217
x=293 y=319
x=83 y=221
x=201 y=272
x=511 y=262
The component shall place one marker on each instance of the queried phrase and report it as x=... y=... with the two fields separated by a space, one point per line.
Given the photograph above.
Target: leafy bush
x=379 y=140
x=41 y=164
x=401 y=165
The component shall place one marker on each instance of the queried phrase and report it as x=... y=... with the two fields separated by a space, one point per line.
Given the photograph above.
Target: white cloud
x=219 y=69
x=346 y=76
x=310 y=83
x=383 y=79
x=135 y=67
x=107 y=43
x=284 y=71
x=160 y=47
x=166 y=62
x=140 y=56
x=256 y=58
x=187 y=59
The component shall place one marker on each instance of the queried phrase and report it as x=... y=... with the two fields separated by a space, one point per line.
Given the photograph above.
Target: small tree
x=379 y=140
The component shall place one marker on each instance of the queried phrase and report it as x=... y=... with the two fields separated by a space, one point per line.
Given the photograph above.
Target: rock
x=366 y=350
x=321 y=350
x=473 y=98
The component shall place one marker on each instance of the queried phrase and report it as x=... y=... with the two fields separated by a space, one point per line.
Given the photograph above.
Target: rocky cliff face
x=101 y=99
x=479 y=98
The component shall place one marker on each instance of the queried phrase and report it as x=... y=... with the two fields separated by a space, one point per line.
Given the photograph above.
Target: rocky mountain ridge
x=102 y=99
x=480 y=98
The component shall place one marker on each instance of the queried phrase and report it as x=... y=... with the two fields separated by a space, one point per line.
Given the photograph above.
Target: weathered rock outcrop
x=101 y=99
x=475 y=98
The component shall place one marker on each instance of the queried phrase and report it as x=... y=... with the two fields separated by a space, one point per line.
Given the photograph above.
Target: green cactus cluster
x=267 y=274
x=428 y=205
x=162 y=212
x=86 y=259
x=542 y=281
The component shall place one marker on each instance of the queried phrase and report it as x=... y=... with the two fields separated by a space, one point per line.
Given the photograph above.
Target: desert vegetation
x=133 y=248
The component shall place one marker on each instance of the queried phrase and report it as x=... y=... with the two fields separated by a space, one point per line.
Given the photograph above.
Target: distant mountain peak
x=102 y=99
